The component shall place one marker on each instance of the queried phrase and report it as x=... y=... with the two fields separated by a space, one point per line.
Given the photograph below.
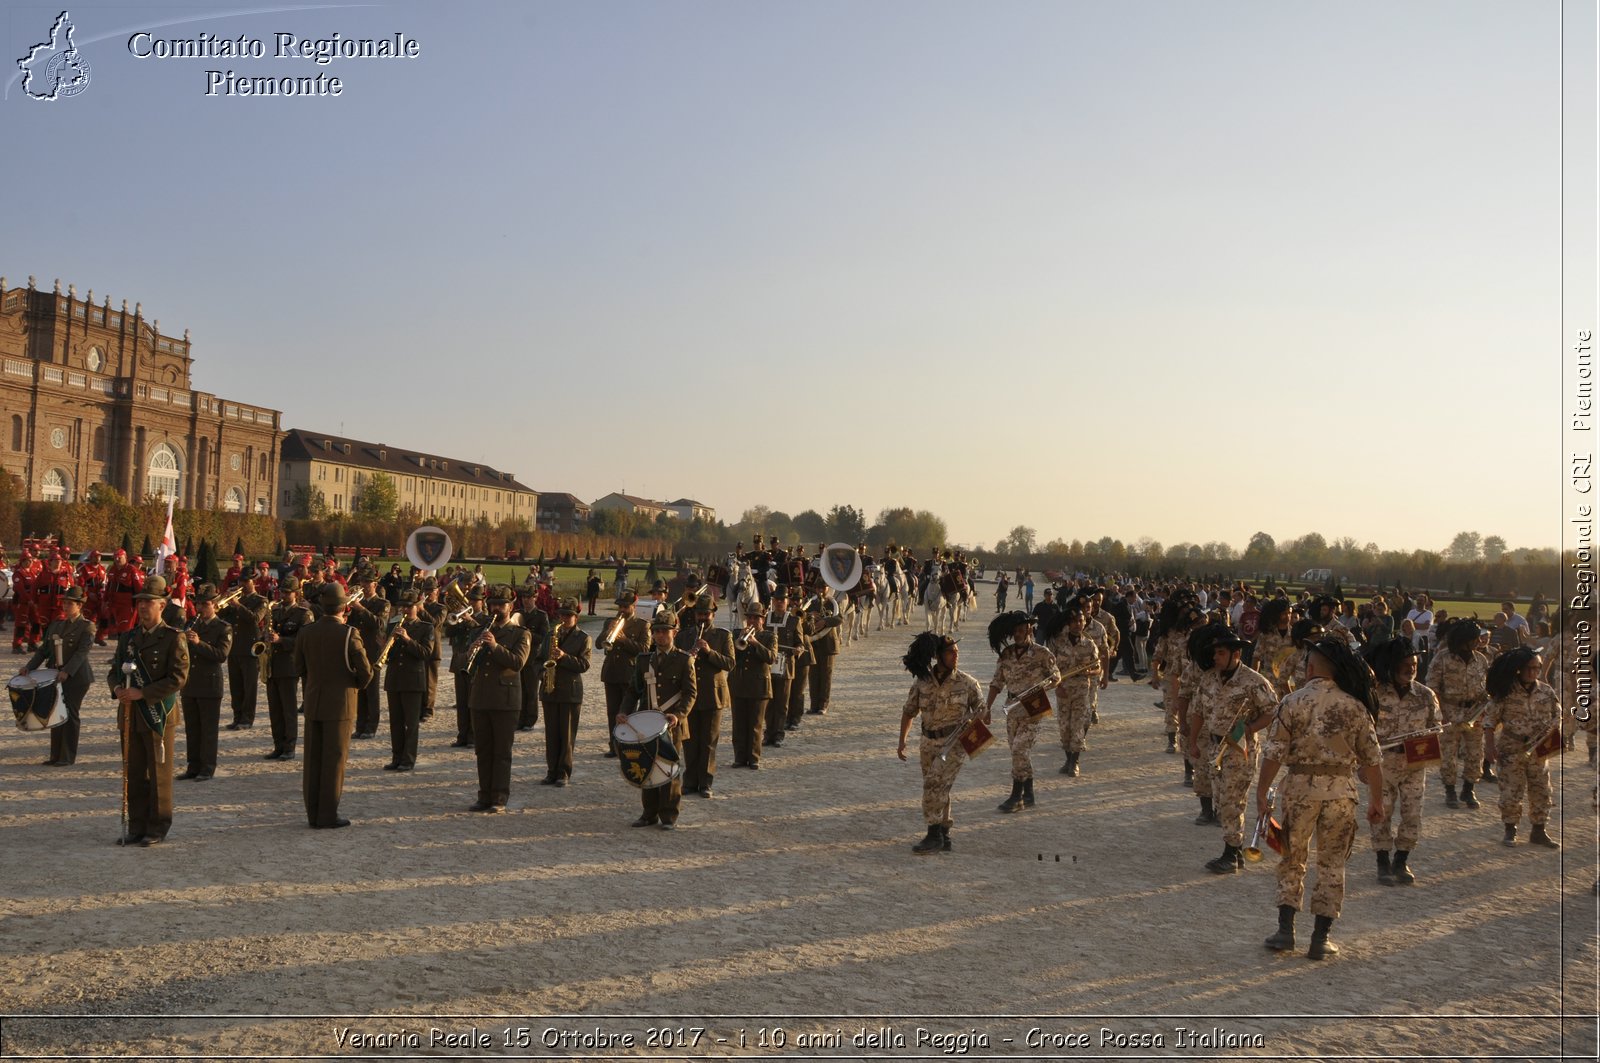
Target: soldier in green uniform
x=537 y=623
x=283 y=681
x=209 y=638
x=157 y=661
x=625 y=637
x=664 y=682
x=461 y=633
x=333 y=659
x=750 y=684
x=405 y=681
x=66 y=649
x=369 y=616
x=1323 y=733
x=713 y=653
x=248 y=616
x=561 y=691
x=494 y=667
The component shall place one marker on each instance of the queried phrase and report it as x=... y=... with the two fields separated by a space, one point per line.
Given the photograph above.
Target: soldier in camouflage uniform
x=1179 y=616
x=946 y=699
x=1078 y=661
x=1405 y=706
x=1457 y=676
x=1099 y=627
x=1275 y=646
x=1024 y=665
x=1200 y=660
x=1323 y=734
x=1232 y=702
x=1524 y=709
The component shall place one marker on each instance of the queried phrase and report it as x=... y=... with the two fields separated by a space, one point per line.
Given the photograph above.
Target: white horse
x=935 y=616
x=741 y=588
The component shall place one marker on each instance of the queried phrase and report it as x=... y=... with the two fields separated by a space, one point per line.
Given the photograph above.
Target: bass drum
x=645 y=750
x=36 y=700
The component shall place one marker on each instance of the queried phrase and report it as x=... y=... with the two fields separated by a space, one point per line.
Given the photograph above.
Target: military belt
x=942 y=732
x=1317 y=769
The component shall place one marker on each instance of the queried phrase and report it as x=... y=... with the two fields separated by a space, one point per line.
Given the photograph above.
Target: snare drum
x=645 y=750
x=36 y=700
x=975 y=738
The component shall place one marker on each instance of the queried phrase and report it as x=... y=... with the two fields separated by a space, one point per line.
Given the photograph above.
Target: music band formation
x=324 y=642
x=1332 y=710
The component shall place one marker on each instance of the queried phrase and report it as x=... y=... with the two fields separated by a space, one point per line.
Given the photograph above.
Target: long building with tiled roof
x=436 y=487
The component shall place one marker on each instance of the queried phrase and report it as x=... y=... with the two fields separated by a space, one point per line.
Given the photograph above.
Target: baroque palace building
x=95 y=395
x=430 y=486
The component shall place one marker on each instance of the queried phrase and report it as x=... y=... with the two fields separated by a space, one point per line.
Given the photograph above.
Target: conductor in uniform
x=147 y=697
x=331 y=656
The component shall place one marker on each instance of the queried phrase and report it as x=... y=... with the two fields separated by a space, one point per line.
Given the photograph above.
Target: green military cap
x=155 y=589
x=73 y=594
x=333 y=597
x=289 y=583
x=502 y=593
x=627 y=598
x=408 y=597
x=205 y=593
x=664 y=618
x=705 y=603
x=570 y=607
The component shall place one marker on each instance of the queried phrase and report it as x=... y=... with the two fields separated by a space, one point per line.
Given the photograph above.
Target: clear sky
x=1179 y=269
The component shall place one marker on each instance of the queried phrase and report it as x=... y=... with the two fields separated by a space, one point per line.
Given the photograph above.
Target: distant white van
x=1316 y=575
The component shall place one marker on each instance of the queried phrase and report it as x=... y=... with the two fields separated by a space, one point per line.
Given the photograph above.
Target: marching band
x=669 y=675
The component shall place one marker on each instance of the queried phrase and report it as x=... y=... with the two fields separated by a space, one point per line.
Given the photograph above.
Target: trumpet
x=743 y=641
x=1264 y=825
x=612 y=632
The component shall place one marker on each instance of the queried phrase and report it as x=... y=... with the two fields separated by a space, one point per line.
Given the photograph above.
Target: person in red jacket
x=51 y=588
x=91 y=576
x=234 y=574
x=123 y=582
x=24 y=579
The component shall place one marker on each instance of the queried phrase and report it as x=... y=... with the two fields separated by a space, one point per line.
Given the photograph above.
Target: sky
x=1169 y=269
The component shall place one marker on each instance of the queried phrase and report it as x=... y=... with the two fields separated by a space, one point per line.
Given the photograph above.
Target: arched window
x=16 y=431
x=99 y=444
x=165 y=474
x=233 y=501
x=54 y=486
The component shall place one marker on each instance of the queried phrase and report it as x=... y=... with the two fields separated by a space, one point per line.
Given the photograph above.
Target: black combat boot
x=1402 y=873
x=931 y=843
x=1539 y=837
x=1208 y=814
x=1468 y=798
x=1027 y=792
x=1321 y=947
x=1511 y=834
x=1172 y=742
x=1229 y=863
x=944 y=839
x=1385 y=876
x=1450 y=799
x=1188 y=775
x=1014 y=802
x=1283 y=940
x=1072 y=765
x=1488 y=773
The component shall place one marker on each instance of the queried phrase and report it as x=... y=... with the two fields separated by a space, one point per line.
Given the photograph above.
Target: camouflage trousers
x=1205 y=783
x=1519 y=776
x=1230 y=784
x=1021 y=732
x=1466 y=742
x=1402 y=793
x=1073 y=707
x=938 y=776
x=1333 y=824
x=1169 y=706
